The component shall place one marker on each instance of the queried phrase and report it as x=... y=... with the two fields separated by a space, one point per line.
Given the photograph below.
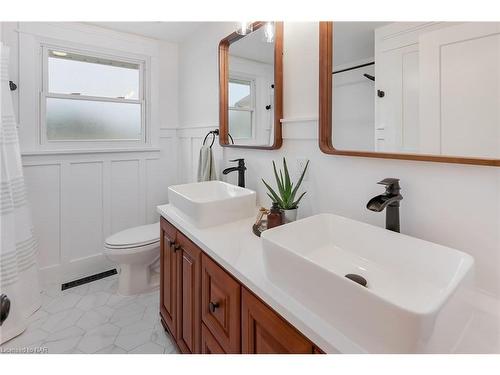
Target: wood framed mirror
x=251 y=87
x=424 y=91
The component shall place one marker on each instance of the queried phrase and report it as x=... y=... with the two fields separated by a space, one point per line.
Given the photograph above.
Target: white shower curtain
x=18 y=268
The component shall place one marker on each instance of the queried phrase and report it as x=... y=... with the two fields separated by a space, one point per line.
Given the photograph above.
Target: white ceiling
x=354 y=41
x=169 y=31
x=254 y=47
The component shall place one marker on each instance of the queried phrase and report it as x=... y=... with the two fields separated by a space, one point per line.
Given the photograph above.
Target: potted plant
x=285 y=196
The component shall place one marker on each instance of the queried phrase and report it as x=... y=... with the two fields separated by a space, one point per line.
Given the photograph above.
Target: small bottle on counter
x=275 y=216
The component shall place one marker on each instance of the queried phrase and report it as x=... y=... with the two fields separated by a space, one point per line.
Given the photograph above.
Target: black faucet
x=241 y=171
x=389 y=200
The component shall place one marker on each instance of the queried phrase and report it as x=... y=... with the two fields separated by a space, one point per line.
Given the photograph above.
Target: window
x=90 y=98
x=241 y=108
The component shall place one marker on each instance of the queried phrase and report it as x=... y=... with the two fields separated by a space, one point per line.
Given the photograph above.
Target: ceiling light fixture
x=269 y=32
x=245 y=28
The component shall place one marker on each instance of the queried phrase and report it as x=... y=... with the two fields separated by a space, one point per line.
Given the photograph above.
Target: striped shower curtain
x=18 y=268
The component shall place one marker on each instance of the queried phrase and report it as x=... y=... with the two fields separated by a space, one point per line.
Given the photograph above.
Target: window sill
x=89 y=151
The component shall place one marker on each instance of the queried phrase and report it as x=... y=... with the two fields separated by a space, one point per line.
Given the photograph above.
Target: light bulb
x=245 y=28
x=269 y=32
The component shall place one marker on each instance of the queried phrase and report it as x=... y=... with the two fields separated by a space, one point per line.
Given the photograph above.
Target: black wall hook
x=370 y=77
x=12 y=86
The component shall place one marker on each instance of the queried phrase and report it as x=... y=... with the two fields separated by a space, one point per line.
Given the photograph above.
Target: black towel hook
x=12 y=86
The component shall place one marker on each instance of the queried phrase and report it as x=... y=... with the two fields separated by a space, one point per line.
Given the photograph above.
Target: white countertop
x=239 y=251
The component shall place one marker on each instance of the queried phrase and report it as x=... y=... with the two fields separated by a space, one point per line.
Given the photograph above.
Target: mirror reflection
x=417 y=87
x=251 y=88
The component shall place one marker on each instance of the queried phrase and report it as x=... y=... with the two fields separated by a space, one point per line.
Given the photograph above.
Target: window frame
x=244 y=79
x=44 y=94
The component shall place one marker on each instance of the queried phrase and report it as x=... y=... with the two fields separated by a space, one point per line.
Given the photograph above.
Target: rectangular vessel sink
x=212 y=203
x=415 y=296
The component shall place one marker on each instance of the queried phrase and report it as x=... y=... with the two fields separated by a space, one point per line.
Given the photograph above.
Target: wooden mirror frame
x=224 y=88
x=326 y=108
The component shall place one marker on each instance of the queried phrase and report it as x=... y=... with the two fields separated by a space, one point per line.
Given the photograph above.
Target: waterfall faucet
x=388 y=201
x=241 y=171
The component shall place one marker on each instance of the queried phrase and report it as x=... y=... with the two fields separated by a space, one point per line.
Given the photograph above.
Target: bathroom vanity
x=207 y=310
x=225 y=290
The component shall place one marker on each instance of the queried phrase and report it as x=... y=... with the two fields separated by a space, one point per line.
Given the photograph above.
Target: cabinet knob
x=213 y=306
x=176 y=246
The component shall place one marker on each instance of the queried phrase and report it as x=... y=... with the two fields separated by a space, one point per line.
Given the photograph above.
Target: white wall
x=198 y=72
x=78 y=198
x=453 y=205
x=199 y=97
x=354 y=109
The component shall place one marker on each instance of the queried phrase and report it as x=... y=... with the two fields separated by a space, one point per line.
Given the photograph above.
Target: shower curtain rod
x=354 y=67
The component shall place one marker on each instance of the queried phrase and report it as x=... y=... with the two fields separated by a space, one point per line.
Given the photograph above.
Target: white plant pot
x=290 y=215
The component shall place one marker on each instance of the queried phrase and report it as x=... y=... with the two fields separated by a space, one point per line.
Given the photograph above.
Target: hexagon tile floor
x=93 y=318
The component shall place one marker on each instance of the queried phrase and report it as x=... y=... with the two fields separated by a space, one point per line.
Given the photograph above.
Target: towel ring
x=215 y=133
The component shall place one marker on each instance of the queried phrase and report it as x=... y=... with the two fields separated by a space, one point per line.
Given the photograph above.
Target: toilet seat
x=133 y=238
x=130 y=247
x=131 y=250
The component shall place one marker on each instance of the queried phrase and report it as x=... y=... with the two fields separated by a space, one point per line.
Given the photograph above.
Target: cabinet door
x=220 y=306
x=264 y=332
x=168 y=277
x=209 y=344
x=188 y=295
x=318 y=350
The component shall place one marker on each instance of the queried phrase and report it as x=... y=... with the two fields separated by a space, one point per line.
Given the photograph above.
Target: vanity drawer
x=209 y=344
x=220 y=305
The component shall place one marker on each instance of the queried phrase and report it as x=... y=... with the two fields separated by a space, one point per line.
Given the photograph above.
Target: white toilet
x=136 y=251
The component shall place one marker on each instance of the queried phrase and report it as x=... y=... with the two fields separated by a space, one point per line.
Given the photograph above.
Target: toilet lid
x=137 y=236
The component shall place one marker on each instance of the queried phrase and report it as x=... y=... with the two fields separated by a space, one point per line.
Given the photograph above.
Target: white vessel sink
x=212 y=203
x=414 y=300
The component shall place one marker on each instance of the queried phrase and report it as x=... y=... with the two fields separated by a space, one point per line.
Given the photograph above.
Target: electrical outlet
x=301 y=164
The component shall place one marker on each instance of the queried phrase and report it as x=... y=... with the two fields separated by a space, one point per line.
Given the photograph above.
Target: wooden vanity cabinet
x=265 y=332
x=180 y=287
x=168 y=277
x=221 y=305
x=209 y=344
x=208 y=311
x=188 y=295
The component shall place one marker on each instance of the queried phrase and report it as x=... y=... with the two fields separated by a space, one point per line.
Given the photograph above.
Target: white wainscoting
x=190 y=139
x=79 y=199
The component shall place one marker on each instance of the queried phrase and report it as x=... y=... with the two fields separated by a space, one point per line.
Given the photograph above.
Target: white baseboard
x=75 y=270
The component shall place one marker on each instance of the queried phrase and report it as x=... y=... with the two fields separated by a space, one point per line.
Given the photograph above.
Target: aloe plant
x=285 y=196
